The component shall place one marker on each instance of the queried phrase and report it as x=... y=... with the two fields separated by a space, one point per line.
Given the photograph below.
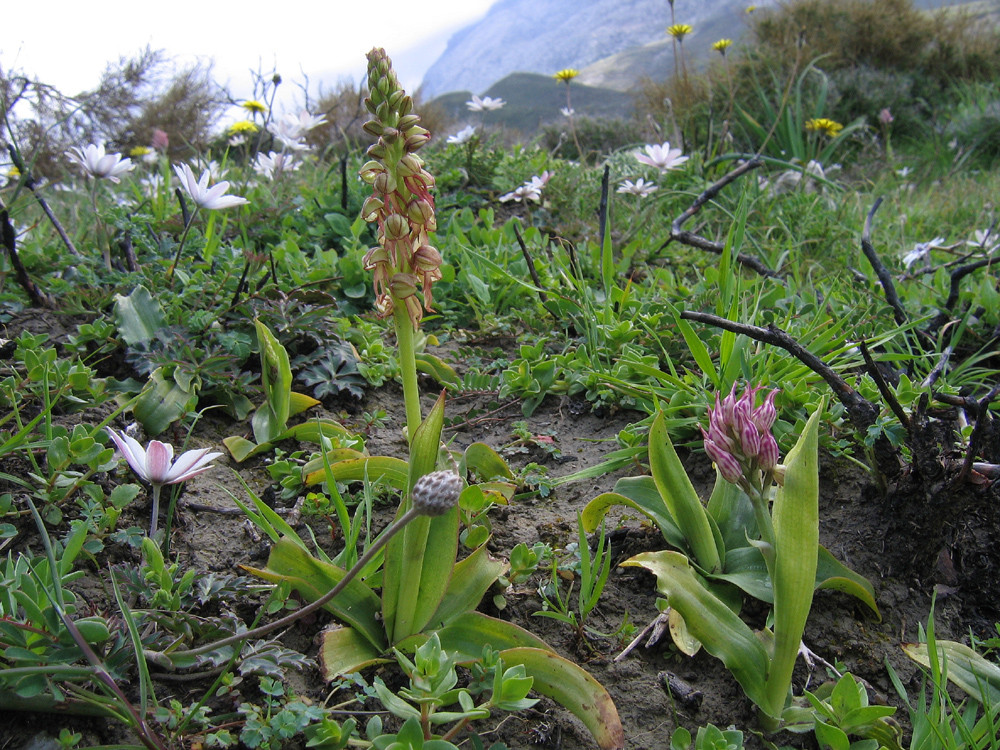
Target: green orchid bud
x=377 y=150
x=370 y=170
x=374 y=257
x=395 y=98
x=373 y=127
x=385 y=183
x=415 y=142
x=371 y=208
x=409 y=165
x=403 y=285
x=396 y=227
x=407 y=121
x=426 y=259
x=390 y=135
x=420 y=211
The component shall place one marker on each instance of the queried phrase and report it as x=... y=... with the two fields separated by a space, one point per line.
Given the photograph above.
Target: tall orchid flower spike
x=401 y=203
x=154 y=464
x=204 y=196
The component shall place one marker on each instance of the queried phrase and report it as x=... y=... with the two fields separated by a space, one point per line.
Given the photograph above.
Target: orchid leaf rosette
x=758 y=536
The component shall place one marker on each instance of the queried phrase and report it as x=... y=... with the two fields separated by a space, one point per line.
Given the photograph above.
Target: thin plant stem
x=102 y=239
x=180 y=245
x=156 y=509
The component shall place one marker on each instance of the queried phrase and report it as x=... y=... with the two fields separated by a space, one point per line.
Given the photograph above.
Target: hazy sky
x=69 y=44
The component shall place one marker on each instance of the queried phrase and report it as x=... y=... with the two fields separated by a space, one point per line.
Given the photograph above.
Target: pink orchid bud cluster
x=401 y=204
x=739 y=438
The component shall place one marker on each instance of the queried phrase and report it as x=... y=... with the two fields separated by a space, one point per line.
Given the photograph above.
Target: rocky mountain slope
x=543 y=36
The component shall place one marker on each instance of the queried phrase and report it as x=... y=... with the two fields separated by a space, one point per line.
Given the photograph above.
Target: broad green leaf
x=344 y=650
x=486 y=463
x=358 y=469
x=470 y=581
x=138 y=316
x=161 y=403
x=437 y=368
x=722 y=633
x=465 y=635
x=240 y=448
x=638 y=493
x=299 y=402
x=795 y=515
x=680 y=497
x=573 y=688
x=313 y=431
x=679 y=634
x=833 y=574
x=357 y=605
x=979 y=678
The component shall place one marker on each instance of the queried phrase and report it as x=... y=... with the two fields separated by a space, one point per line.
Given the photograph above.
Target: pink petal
x=158 y=458
x=190 y=464
x=133 y=452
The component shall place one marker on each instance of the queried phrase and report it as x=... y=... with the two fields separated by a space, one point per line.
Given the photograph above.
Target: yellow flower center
x=140 y=151
x=722 y=45
x=566 y=74
x=243 y=127
x=13 y=173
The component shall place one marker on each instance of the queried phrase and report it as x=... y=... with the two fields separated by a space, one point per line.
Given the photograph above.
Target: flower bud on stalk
x=436 y=493
x=401 y=203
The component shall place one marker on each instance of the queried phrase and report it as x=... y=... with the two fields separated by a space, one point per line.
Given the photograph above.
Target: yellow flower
x=679 y=30
x=140 y=151
x=751 y=9
x=243 y=127
x=13 y=173
x=566 y=75
x=252 y=105
x=825 y=126
x=722 y=45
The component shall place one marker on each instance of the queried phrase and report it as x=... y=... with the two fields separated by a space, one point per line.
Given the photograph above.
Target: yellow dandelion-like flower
x=252 y=105
x=243 y=127
x=566 y=75
x=825 y=126
x=13 y=173
x=140 y=151
x=722 y=45
x=750 y=9
x=679 y=30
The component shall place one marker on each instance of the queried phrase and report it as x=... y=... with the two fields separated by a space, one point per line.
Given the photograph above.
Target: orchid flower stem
x=407 y=366
x=398 y=525
x=180 y=245
x=764 y=526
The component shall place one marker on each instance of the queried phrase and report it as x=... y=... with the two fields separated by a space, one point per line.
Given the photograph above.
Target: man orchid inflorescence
x=401 y=204
x=739 y=439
